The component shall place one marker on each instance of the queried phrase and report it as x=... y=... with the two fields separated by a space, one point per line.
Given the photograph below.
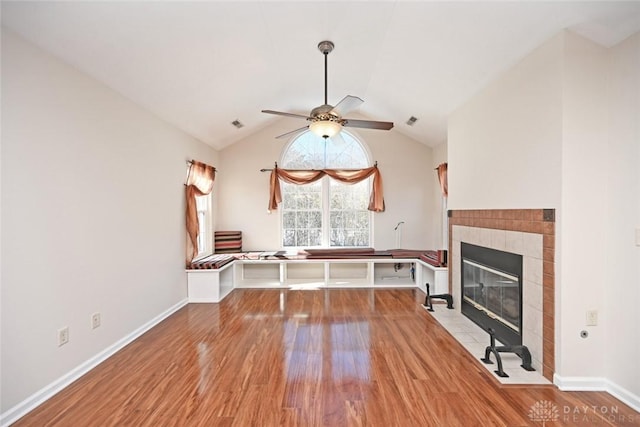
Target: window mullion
x=326 y=212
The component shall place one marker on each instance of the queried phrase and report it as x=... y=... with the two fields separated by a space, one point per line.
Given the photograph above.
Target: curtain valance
x=442 y=177
x=347 y=176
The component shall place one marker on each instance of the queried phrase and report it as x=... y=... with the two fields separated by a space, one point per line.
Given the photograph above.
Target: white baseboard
x=44 y=394
x=580 y=383
x=623 y=395
x=597 y=384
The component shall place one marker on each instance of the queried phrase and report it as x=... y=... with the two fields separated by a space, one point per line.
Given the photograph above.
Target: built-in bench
x=211 y=279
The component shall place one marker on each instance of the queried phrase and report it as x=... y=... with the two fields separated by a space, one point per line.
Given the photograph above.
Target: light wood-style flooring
x=327 y=357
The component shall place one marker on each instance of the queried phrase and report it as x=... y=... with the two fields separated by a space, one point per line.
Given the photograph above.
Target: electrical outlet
x=95 y=320
x=63 y=336
x=592 y=317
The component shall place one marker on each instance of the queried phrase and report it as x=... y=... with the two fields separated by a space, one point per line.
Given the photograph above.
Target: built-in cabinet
x=214 y=285
x=210 y=285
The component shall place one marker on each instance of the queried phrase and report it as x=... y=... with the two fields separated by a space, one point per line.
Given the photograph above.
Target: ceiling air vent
x=237 y=124
x=412 y=120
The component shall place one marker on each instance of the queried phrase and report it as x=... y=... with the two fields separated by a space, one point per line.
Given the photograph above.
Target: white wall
x=92 y=217
x=504 y=143
x=623 y=256
x=583 y=216
x=551 y=133
x=406 y=167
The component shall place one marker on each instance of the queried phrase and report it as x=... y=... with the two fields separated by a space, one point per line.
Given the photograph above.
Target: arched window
x=326 y=213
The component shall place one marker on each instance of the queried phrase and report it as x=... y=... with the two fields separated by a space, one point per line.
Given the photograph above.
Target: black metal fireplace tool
x=427 y=301
x=521 y=350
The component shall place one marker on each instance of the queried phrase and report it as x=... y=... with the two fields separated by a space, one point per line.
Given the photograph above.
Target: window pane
x=349 y=218
x=301 y=219
x=289 y=220
x=346 y=152
x=337 y=236
x=289 y=238
x=204 y=233
x=315 y=237
x=302 y=215
x=307 y=152
x=315 y=203
x=363 y=218
x=310 y=151
x=288 y=199
x=202 y=229
x=302 y=238
x=315 y=219
x=337 y=200
x=201 y=203
x=337 y=219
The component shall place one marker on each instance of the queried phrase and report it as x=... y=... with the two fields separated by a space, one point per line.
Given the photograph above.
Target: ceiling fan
x=327 y=120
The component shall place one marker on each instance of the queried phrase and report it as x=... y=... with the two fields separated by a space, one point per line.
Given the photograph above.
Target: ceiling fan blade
x=346 y=105
x=367 y=124
x=292 y=132
x=280 y=113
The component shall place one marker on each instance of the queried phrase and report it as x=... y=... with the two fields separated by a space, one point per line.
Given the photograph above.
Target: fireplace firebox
x=491 y=282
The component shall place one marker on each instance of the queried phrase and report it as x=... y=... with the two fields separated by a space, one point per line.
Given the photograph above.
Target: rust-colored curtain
x=199 y=183
x=347 y=176
x=442 y=177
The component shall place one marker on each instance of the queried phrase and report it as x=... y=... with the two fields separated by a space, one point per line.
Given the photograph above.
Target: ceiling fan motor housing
x=323 y=112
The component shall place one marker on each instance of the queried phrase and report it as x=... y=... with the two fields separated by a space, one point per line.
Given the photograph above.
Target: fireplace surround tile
x=532 y=245
x=514 y=242
x=532 y=269
x=499 y=240
x=484 y=238
x=532 y=318
x=535 y=345
x=532 y=294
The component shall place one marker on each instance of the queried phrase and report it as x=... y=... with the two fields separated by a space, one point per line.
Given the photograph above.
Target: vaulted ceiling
x=202 y=65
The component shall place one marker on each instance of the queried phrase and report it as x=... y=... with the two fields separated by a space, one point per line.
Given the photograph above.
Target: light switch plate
x=592 y=317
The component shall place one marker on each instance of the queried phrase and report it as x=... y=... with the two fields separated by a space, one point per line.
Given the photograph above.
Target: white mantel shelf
x=213 y=285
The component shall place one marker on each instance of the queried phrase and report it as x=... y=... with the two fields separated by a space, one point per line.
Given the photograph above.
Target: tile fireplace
x=529 y=236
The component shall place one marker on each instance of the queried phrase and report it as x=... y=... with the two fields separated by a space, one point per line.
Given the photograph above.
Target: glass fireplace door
x=493 y=292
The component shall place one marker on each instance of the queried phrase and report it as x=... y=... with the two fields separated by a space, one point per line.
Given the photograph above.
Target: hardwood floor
x=310 y=358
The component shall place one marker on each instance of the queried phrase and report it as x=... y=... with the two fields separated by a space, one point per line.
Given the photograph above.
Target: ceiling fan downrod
x=325 y=47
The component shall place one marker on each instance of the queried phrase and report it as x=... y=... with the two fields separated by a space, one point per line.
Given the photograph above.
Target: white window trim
x=208 y=227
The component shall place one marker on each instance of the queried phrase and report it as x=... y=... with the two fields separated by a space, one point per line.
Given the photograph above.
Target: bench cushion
x=226 y=242
x=211 y=262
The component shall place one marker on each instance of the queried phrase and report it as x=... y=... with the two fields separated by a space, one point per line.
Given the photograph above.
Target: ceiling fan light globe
x=325 y=128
